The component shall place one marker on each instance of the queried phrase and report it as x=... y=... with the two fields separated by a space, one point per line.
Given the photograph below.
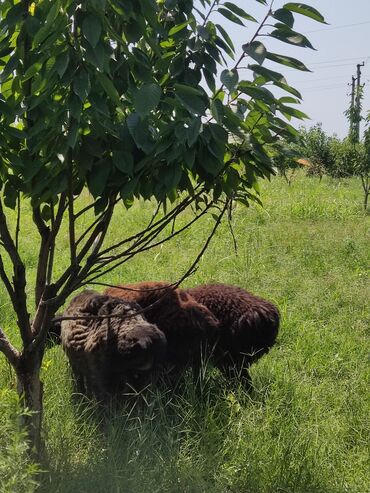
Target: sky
x=340 y=45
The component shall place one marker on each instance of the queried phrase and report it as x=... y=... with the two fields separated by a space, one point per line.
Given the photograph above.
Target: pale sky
x=340 y=47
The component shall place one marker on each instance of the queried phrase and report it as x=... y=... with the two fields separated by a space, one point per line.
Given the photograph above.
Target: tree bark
x=30 y=390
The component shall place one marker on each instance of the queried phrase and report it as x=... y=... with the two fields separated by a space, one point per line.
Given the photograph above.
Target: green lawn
x=305 y=426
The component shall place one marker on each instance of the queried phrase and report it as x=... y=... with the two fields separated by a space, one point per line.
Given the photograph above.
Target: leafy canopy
x=121 y=96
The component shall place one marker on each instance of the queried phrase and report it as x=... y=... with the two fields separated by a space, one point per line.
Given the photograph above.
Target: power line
x=323 y=68
x=337 y=27
x=323 y=88
x=338 y=60
x=335 y=77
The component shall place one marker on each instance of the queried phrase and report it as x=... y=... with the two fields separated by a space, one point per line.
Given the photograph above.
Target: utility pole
x=358 y=101
x=351 y=122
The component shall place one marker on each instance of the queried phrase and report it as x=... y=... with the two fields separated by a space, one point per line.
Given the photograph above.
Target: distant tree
x=316 y=146
x=109 y=96
x=360 y=152
x=286 y=158
x=346 y=157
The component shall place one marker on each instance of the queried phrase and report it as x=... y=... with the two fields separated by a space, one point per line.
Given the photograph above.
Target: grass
x=303 y=429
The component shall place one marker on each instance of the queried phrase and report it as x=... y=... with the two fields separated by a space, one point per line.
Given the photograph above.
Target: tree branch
x=10 y=352
x=42 y=263
x=17 y=228
x=71 y=218
x=5 y=279
x=145 y=245
x=19 y=300
x=47 y=246
x=43 y=316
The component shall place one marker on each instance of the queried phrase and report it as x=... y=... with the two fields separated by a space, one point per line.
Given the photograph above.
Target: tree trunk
x=30 y=390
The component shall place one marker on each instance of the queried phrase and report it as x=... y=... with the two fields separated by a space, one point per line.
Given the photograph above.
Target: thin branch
x=107 y=285
x=41 y=322
x=17 y=228
x=210 y=12
x=243 y=55
x=47 y=246
x=42 y=263
x=5 y=279
x=129 y=253
x=71 y=218
x=165 y=219
x=188 y=273
x=10 y=352
x=192 y=268
x=70 y=279
x=229 y=219
x=19 y=300
x=49 y=270
x=94 y=223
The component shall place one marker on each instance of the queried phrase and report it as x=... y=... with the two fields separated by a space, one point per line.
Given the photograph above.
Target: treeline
x=322 y=154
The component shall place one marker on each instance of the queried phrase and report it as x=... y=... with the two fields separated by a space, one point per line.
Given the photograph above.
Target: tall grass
x=304 y=428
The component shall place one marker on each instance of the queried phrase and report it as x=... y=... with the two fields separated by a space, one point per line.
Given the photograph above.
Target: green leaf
x=288 y=88
x=288 y=61
x=81 y=84
x=287 y=110
x=238 y=11
x=5 y=108
x=49 y=26
x=284 y=16
x=10 y=195
x=283 y=33
x=177 y=28
x=91 y=29
x=31 y=71
x=123 y=161
x=268 y=74
x=288 y=99
x=256 y=50
x=306 y=10
x=46 y=212
x=96 y=56
x=257 y=92
x=217 y=110
x=61 y=63
x=128 y=188
x=11 y=65
x=230 y=79
x=147 y=98
x=226 y=37
x=108 y=87
x=98 y=177
x=72 y=134
x=209 y=163
x=184 y=89
x=193 y=131
x=13 y=16
x=188 y=97
x=139 y=131
x=99 y=104
x=230 y=16
x=171 y=175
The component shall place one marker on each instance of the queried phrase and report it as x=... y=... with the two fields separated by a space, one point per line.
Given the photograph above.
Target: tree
x=315 y=145
x=287 y=158
x=363 y=167
x=360 y=151
x=346 y=157
x=110 y=95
